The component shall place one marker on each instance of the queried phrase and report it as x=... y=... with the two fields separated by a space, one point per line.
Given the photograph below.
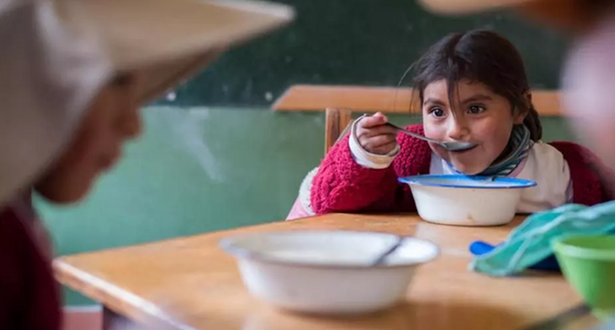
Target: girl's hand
x=374 y=136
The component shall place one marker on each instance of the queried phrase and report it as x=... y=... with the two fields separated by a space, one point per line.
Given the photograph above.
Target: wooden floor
x=87 y=318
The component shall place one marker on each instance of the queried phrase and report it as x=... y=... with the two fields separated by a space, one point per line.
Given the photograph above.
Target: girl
x=472 y=87
x=74 y=74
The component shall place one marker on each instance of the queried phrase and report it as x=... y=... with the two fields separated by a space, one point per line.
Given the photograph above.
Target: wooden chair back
x=337 y=125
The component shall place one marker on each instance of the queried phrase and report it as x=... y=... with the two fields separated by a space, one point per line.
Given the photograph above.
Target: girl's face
x=112 y=119
x=477 y=115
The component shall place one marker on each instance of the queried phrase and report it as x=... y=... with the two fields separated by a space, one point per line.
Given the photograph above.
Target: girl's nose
x=458 y=129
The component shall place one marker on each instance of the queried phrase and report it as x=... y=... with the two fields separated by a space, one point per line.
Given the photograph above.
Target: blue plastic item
x=548 y=264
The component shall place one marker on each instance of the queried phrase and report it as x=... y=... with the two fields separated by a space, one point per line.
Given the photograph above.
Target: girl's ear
x=520 y=115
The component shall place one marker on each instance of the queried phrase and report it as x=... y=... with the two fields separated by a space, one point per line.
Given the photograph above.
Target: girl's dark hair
x=481 y=56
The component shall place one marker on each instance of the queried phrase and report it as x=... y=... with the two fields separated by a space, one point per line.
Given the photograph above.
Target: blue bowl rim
x=505 y=183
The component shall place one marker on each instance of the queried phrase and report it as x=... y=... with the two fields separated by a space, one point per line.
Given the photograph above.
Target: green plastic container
x=588 y=263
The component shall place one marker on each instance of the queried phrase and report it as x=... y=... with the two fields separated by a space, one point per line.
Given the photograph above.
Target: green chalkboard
x=353 y=42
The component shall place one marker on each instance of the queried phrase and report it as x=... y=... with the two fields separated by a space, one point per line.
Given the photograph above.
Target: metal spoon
x=450 y=146
x=380 y=260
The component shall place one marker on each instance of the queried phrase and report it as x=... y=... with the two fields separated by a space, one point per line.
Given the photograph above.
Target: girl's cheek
x=491 y=132
x=486 y=128
x=432 y=130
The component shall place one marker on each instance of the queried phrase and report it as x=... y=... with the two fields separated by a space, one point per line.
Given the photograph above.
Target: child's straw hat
x=56 y=55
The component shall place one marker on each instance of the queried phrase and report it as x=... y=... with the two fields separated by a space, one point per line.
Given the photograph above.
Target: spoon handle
x=418 y=136
x=380 y=260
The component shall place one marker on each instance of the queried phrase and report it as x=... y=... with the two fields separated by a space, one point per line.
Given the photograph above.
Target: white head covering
x=56 y=55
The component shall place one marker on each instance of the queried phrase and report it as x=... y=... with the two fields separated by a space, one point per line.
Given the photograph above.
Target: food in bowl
x=466 y=200
x=327 y=272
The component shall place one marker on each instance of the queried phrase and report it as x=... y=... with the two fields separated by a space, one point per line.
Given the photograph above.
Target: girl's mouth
x=463 y=151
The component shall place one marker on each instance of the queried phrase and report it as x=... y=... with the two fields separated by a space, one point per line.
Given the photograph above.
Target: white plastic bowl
x=466 y=200
x=327 y=272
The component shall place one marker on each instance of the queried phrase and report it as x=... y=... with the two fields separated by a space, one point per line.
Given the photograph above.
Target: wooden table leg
x=114 y=321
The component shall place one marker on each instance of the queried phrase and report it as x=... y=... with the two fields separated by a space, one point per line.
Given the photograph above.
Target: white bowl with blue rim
x=466 y=200
x=327 y=271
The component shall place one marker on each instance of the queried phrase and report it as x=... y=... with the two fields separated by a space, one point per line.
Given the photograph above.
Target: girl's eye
x=475 y=109
x=436 y=112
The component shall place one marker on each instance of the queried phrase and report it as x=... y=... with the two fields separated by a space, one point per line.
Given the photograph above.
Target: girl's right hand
x=374 y=136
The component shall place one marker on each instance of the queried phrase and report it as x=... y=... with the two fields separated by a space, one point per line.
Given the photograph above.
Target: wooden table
x=192 y=284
